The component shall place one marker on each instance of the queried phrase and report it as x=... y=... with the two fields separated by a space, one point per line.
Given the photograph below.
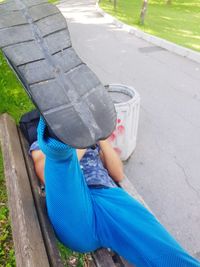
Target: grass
x=15 y=101
x=7 y=257
x=178 y=22
x=73 y=259
x=53 y=1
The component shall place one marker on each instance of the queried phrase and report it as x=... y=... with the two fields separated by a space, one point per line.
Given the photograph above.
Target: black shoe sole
x=35 y=40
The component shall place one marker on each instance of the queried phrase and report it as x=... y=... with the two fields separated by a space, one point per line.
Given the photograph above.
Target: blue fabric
x=34 y=146
x=85 y=219
x=95 y=174
x=93 y=169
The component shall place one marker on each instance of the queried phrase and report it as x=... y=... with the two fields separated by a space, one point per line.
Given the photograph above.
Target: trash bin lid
x=120 y=93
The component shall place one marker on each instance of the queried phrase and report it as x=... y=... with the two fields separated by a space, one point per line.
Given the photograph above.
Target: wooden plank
x=28 y=241
x=119 y=261
x=39 y=198
x=102 y=258
x=91 y=263
x=126 y=263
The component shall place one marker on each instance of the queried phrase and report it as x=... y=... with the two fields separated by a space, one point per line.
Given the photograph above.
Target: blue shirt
x=93 y=169
x=95 y=173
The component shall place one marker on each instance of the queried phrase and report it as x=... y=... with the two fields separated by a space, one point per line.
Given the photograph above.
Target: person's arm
x=39 y=160
x=111 y=161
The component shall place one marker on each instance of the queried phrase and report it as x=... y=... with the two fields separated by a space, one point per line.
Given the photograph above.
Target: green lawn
x=7 y=257
x=13 y=99
x=178 y=22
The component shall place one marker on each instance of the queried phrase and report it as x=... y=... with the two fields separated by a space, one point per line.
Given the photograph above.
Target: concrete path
x=165 y=168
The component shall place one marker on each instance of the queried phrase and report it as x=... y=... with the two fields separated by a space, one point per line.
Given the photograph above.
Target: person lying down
x=88 y=210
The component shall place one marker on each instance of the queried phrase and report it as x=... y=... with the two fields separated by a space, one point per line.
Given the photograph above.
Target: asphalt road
x=165 y=167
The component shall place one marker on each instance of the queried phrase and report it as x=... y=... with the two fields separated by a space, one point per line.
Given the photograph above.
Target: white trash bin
x=127 y=105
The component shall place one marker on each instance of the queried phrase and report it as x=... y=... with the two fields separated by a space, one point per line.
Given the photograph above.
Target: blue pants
x=85 y=219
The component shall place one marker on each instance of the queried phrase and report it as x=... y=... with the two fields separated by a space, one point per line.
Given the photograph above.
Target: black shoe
x=35 y=40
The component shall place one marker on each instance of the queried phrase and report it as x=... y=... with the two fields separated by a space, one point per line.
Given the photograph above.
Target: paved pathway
x=165 y=168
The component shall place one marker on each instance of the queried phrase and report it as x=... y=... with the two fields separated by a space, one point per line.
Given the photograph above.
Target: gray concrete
x=165 y=167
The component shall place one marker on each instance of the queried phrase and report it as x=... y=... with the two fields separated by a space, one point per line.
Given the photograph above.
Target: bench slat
x=47 y=230
x=103 y=258
x=126 y=263
x=27 y=237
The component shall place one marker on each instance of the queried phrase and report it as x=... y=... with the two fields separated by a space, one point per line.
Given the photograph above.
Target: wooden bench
x=34 y=238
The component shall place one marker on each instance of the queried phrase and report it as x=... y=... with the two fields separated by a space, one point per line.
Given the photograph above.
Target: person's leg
x=68 y=198
x=128 y=228
x=85 y=219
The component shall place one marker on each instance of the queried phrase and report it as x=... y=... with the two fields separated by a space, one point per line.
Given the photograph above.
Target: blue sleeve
x=51 y=147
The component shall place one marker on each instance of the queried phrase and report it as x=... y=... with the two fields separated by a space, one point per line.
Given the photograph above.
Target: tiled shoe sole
x=35 y=40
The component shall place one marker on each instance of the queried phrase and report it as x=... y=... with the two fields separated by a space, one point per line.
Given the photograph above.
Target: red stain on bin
x=112 y=137
x=120 y=129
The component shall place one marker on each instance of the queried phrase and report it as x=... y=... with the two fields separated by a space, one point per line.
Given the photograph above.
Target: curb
x=177 y=49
